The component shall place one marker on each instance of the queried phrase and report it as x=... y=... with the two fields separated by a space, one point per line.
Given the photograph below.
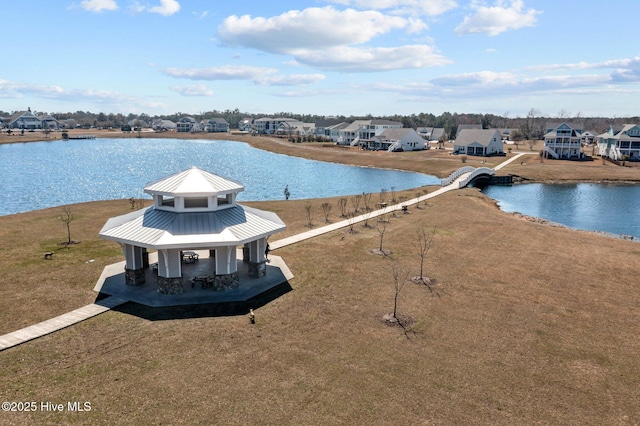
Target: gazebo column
x=257 y=260
x=226 y=269
x=134 y=264
x=169 y=271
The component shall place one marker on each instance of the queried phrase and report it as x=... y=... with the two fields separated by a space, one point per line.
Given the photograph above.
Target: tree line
x=530 y=126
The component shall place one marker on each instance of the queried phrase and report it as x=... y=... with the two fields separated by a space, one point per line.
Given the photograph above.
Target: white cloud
x=193 y=90
x=98 y=5
x=257 y=75
x=316 y=28
x=493 y=20
x=290 y=80
x=410 y=7
x=166 y=7
x=227 y=72
x=362 y=59
x=326 y=38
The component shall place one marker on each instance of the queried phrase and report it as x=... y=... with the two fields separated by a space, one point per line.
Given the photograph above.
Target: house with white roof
x=620 y=144
x=163 y=125
x=360 y=132
x=398 y=140
x=482 y=142
x=193 y=210
x=564 y=141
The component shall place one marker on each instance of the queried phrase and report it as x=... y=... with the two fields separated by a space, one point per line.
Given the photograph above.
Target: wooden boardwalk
x=58 y=323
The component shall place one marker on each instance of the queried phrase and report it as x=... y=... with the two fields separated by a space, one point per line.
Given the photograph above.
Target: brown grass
x=534 y=324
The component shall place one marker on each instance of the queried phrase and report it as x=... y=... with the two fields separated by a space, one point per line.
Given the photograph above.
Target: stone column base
x=170 y=285
x=257 y=269
x=134 y=277
x=226 y=282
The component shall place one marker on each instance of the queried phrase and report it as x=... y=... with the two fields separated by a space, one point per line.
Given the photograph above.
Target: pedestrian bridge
x=467 y=175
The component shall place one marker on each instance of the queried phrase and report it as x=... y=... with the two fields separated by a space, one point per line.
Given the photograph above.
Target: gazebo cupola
x=194 y=190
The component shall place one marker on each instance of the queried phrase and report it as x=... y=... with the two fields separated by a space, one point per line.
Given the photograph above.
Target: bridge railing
x=476 y=172
x=455 y=175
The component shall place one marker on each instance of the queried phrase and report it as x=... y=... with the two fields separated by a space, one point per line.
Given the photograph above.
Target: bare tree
x=422 y=243
x=308 y=209
x=400 y=276
x=326 y=210
x=351 y=220
x=381 y=226
x=355 y=202
x=393 y=194
x=366 y=199
x=67 y=217
x=342 y=205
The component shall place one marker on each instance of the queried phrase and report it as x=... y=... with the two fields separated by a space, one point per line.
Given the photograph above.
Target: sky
x=325 y=57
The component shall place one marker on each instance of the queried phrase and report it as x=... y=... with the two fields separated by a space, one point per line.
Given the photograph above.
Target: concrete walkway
x=58 y=323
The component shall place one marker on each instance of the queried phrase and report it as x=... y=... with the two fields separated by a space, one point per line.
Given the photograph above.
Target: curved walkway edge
x=58 y=323
x=70 y=318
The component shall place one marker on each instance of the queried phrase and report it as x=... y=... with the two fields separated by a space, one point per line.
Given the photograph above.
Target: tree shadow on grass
x=204 y=310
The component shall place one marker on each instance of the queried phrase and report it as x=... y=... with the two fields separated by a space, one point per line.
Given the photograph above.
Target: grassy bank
x=532 y=323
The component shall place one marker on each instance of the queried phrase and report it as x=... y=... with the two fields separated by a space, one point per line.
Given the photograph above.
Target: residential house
x=334 y=132
x=360 y=132
x=187 y=125
x=482 y=142
x=163 y=125
x=290 y=128
x=24 y=120
x=620 y=144
x=48 y=122
x=138 y=123
x=268 y=125
x=432 y=134
x=563 y=141
x=215 y=125
x=245 y=125
x=395 y=139
x=324 y=124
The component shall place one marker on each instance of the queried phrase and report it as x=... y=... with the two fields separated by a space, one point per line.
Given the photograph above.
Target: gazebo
x=193 y=210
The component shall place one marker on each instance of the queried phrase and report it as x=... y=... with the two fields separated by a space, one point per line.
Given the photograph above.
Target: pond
x=609 y=208
x=46 y=174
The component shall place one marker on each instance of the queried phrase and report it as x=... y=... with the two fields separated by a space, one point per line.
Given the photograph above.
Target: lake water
x=608 y=208
x=46 y=174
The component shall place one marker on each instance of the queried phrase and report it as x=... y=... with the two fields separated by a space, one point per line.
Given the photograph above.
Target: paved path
x=70 y=318
x=58 y=323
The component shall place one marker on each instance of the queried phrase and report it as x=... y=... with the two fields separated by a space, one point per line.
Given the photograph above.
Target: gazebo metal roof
x=160 y=229
x=193 y=181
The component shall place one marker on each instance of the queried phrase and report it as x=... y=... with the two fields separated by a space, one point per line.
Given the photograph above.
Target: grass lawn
x=532 y=323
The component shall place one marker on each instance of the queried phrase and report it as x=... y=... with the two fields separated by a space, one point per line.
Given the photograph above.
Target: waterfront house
x=482 y=142
x=620 y=143
x=48 y=122
x=160 y=125
x=398 y=140
x=268 y=125
x=187 y=125
x=193 y=210
x=24 y=120
x=216 y=125
x=564 y=141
